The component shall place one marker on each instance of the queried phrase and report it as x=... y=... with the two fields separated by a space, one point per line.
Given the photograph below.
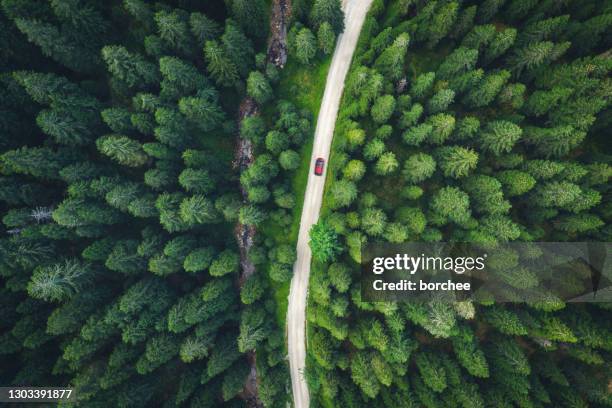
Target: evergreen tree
x=173 y=28
x=486 y=91
x=458 y=62
x=203 y=28
x=305 y=46
x=383 y=108
x=441 y=100
x=451 y=203
x=131 y=69
x=455 y=161
x=323 y=242
x=500 y=136
x=442 y=22
x=516 y=182
x=343 y=192
x=251 y=15
x=386 y=164
x=422 y=84
x=122 y=149
x=390 y=61
x=329 y=11
x=486 y=194
x=501 y=43
x=326 y=38
x=60 y=45
x=258 y=87
x=238 y=47
x=221 y=68
x=419 y=167
x=354 y=170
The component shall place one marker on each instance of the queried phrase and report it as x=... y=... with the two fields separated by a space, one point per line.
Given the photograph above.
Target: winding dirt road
x=355 y=12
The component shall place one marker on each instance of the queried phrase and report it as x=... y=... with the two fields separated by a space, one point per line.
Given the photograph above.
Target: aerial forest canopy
x=120 y=272
x=153 y=158
x=478 y=121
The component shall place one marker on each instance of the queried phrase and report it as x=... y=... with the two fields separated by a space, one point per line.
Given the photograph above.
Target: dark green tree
x=324 y=242
x=329 y=11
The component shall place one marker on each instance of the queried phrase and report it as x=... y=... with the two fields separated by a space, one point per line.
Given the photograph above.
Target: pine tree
x=512 y=95
x=132 y=69
x=203 y=28
x=181 y=77
x=173 y=28
x=251 y=15
x=362 y=375
x=501 y=43
x=67 y=128
x=441 y=100
x=198 y=210
x=391 y=61
x=422 y=84
x=458 y=62
x=354 y=170
x=58 y=45
x=486 y=91
x=451 y=203
x=238 y=47
x=323 y=242
x=386 y=164
x=464 y=22
x=221 y=68
x=326 y=38
x=467 y=128
x=488 y=9
x=588 y=34
x=411 y=117
x=59 y=281
x=557 y=141
x=343 y=193
x=432 y=371
x=516 y=182
x=541 y=102
x=415 y=135
x=455 y=161
x=203 y=112
x=327 y=11
x=442 y=125
x=258 y=87
x=530 y=57
x=122 y=149
x=442 y=22
x=541 y=30
x=419 y=167
x=251 y=215
x=305 y=46
x=486 y=195
x=289 y=159
x=196 y=180
x=480 y=37
x=383 y=108
x=518 y=9
x=467 y=81
x=500 y=136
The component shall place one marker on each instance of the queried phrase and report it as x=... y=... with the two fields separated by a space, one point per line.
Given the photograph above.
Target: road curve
x=355 y=12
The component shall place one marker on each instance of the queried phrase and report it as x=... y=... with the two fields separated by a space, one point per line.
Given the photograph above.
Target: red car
x=319 y=165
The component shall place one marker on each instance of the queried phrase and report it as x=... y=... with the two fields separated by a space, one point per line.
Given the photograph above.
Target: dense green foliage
x=126 y=182
x=316 y=24
x=482 y=121
x=120 y=274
